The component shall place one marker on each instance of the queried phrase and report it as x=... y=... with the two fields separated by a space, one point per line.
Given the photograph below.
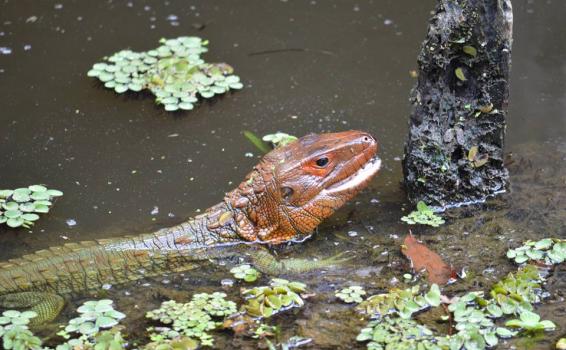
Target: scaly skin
x=284 y=197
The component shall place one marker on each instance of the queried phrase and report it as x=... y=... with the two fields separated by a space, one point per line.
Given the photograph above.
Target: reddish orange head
x=295 y=187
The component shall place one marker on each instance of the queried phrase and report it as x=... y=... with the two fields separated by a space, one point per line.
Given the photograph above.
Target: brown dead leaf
x=423 y=258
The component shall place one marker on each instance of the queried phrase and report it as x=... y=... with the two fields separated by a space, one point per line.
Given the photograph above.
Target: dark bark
x=454 y=153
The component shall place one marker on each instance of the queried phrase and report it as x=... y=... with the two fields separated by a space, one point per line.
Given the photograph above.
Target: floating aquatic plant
x=279 y=139
x=181 y=343
x=193 y=319
x=269 y=141
x=280 y=295
x=353 y=294
x=423 y=215
x=20 y=207
x=548 y=250
x=402 y=302
x=474 y=315
x=95 y=315
x=174 y=72
x=530 y=322
x=407 y=335
x=14 y=330
x=245 y=272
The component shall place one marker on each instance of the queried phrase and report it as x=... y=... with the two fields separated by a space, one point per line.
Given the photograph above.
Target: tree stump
x=454 y=152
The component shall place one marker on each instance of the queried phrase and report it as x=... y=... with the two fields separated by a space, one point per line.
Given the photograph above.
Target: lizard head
x=297 y=186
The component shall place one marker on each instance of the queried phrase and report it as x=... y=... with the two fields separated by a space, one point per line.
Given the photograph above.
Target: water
x=308 y=66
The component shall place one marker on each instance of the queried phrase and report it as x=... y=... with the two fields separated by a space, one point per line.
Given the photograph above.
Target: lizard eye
x=322 y=162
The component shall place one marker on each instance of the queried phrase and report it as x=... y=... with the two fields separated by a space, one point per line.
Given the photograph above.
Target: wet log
x=454 y=152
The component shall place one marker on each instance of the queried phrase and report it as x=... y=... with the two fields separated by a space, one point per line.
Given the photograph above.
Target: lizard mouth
x=358 y=179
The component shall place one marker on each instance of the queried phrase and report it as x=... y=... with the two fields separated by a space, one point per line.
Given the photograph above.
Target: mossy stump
x=454 y=152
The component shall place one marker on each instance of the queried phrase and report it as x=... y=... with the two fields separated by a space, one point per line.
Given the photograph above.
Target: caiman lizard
x=285 y=196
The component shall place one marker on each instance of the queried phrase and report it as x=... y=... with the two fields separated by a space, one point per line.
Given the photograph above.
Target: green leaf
x=236 y=86
x=186 y=106
x=54 y=193
x=544 y=244
x=115 y=314
x=433 y=296
x=5 y=193
x=135 y=87
x=105 y=322
x=21 y=197
x=41 y=208
x=206 y=94
x=170 y=100
x=11 y=206
x=494 y=310
x=504 y=332
x=37 y=188
x=87 y=328
x=11 y=313
x=30 y=217
x=10 y=214
x=421 y=206
x=105 y=77
x=535 y=254
x=121 y=88
x=232 y=79
x=548 y=325
x=27 y=207
x=460 y=74
x=529 y=318
x=470 y=50
x=491 y=339
x=15 y=222
x=40 y=196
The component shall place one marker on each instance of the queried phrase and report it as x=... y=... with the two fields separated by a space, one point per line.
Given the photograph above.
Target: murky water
x=118 y=158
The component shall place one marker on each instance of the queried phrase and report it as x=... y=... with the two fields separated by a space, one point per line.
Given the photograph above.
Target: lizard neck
x=217 y=225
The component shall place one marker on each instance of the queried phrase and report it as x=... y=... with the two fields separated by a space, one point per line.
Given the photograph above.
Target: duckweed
x=279 y=139
x=550 y=251
x=20 y=207
x=95 y=315
x=245 y=272
x=266 y=301
x=353 y=294
x=423 y=215
x=174 y=72
x=474 y=316
x=193 y=319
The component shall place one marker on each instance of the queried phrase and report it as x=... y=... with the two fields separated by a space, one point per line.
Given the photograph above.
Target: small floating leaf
x=37 y=188
x=12 y=214
x=15 y=222
x=54 y=193
x=460 y=74
x=470 y=50
x=187 y=106
x=30 y=217
x=171 y=107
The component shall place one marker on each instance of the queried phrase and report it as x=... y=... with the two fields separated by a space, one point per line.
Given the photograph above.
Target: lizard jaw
x=357 y=180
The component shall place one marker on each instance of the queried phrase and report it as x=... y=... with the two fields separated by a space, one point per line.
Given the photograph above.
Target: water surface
x=308 y=66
